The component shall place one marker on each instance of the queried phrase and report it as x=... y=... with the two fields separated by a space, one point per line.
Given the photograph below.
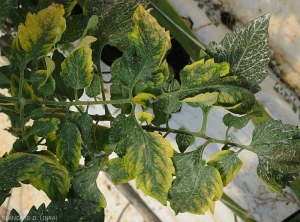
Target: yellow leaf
x=145 y=117
x=144 y=99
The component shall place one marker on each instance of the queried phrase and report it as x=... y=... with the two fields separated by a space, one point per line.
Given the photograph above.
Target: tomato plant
x=45 y=82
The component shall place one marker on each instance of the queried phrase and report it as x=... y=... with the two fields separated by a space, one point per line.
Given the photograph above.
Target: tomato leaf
x=41 y=169
x=84 y=183
x=117 y=171
x=40 y=32
x=227 y=163
x=94 y=88
x=184 y=141
x=149 y=43
x=246 y=50
x=147 y=157
x=77 y=67
x=207 y=76
x=195 y=187
x=71 y=210
x=239 y=122
x=68 y=149
x=44 y=126
x=271 y=135
x=118 y=14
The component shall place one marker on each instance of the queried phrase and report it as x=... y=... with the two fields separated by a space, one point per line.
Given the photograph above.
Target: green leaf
x=40 y=32
x=77 y=68
x=71 y=210
x=61 y=89
x=84 y=183
x=204 y=99
x=67 y=4
x=184 y=141
x=275 y=180
x=246 y=50
x=145 y=117
x=117 y=171
x=84 y=124
x=207 y=76
x=36 y=114
x=42 y=80
x=227 y=163
x=68 y=149
x=239 y=122
x=196 y=187
x=147 y=157
x=76 y=25
x=4 y=12
x=100 y=139
x=271 y=135
x=94 y=88
x=44 y=126
x=92 y=23
x=118 y=14
x=144 y=56
x=41 y=169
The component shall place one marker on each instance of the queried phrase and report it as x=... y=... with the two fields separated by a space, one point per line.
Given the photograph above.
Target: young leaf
x=271 y=135
x=147 y=157
x=227 y=163
x=208 y=76
x=41 y=169
x=145 y=117
x=118 y=14
x=71 y=210
x=40 y=32
x=117 y=171
x=44 y=126
x=184 y=141
x=196 y=187
x=77 y=68
x=84 y=183
x=239 y=122
x=68 y=149
x=92 y=23
x=246 y=50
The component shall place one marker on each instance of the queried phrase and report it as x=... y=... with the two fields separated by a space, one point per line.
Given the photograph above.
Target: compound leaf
x=40 y=32
x=41 y=169
x=84 y=183
x=196 y=187
x=239 y=122
x=44 y=126
x=68 y=149
x=147 y=157
x=77 y=68
x=117 y=171
x=227 y=163
x=246 y=50
x=207 y=76
x=71 y=210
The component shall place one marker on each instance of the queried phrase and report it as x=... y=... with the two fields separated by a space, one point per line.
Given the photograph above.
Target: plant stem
x=21 y=101
x=196 y=134
x=205 y=111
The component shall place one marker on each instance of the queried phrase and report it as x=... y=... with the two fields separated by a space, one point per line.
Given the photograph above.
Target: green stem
x=22 y=101
x=205 y=111
x=196 y=134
